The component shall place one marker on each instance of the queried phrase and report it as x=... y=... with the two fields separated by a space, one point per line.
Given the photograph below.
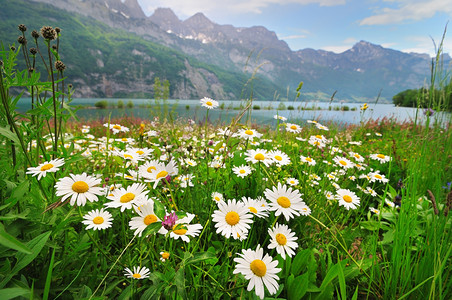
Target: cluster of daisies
x=148 y=175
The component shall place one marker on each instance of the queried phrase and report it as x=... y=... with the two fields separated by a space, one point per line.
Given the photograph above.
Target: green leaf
x=181 y=214
x=45 y=296
x=179 y=280
x=199 y=257
x=23 y=259
x=151 y=229
x=13 y=293
x=9 y=241
x=9 y=135
x=159 y=209
x=298 y=287
x=300 y=261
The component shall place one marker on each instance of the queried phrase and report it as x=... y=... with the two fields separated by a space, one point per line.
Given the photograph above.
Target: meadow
x=168 y=208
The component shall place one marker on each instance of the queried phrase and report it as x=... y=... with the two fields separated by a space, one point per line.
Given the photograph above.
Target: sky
x=332 y=25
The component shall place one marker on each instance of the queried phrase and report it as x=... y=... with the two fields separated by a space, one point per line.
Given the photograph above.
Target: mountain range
x=210 y=56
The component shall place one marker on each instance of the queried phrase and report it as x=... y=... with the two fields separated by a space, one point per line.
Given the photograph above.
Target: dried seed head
x=59 y=65
x=33 y=51
x=57 y=29
x=35 y=34
x=22 y=40
x=1 y=63
x=30 y=70
x=69 y=85
x=22 y=27
x=54 y=47
x=12 y=48
x=48 y=33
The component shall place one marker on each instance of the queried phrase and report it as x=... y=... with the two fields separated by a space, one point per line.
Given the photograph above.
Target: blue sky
x=333 y=25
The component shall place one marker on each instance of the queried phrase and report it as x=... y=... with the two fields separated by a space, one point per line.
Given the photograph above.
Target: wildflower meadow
x=170 y=208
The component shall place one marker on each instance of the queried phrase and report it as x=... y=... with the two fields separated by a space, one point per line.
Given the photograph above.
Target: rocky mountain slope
x=358 y=74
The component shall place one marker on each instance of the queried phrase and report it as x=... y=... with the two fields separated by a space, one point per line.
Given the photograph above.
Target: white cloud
x=336 y=49
x=186 y=8
x=408 y=10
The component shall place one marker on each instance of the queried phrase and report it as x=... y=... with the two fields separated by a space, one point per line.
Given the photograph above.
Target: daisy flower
x=116 y=128
x=129 y=156
x=381 y=158
x=146 y=216
x=284 y=201
x=256 y=206
x=347 y=198
x=161 y=172
x=374 y=210
x=248 y=134
x=279 y=157
x=164 y=256
x=292 y=181
x=308 y=160
x=283 y=239
x=376 y=176
x=357 y=156
x=138 y=273
x=46 y=167
x=260 y=270
x=294 y=128
x=79 y=188
x=320 y=126
x=185 y=180
x=209 y=103
x=258 y=155
x=190 y=162
x=242 y=171
x=343 y=162
x=370 y=191
x=124 y=198
x=232 y=219
x=329 y=195
x=97 y=219
x=182 y=229
x=217 y=197
x=281 y=118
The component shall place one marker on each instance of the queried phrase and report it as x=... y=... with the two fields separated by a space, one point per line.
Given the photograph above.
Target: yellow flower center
x=140 y=152
x=80 y=187
x=258 y=267
x=46 y=167
x=293 y=127
x=249 y=132
x=281 y=239
x=232 y=218
x=378 y=176
x=343 y=162
x=117 y=127
x=319 y=137
x=259 y=156
x=347 y=198
x=98 y=220
x=253 y=210
x=242 y=171
x=149 y=219
x=165 y=255
x=308 y=159
x=136 y=275
x=208 y=103
x=357 y=155
x=278 y=158
x=161 y=174
x=128 y=156
x=127 y=197
x=217 y=198
x=124 y=139
x=283 y=201
x=151 y=168
x=180 y=231
x=381 y=156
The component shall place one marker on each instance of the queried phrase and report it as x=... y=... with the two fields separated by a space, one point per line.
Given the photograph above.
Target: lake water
x=147 y=109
